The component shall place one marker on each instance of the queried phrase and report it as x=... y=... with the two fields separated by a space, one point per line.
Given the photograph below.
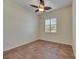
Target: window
x=50 y=25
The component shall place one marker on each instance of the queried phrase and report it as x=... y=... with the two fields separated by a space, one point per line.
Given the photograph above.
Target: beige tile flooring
x=41 y=49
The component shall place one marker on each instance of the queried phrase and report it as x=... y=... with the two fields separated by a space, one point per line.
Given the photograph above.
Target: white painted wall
x=64 y=26
x=20 y=25
x=74 y=26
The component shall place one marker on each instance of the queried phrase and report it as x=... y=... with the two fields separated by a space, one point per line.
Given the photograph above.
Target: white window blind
x=50 y=25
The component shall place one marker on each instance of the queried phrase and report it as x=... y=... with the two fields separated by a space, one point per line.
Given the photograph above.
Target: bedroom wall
x=20 y=25
x=64 y=25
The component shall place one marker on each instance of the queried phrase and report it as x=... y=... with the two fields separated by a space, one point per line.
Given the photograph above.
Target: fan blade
x=34 y=6
x=47 y=8
x=37 y=10
x=42 y=2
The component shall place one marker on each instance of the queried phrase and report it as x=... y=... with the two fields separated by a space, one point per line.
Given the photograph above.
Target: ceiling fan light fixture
x=41 y=9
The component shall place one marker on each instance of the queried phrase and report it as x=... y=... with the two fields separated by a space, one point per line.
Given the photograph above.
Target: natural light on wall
x=50 y=25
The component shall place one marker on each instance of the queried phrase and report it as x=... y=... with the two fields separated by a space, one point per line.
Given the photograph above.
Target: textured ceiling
x=55 y=4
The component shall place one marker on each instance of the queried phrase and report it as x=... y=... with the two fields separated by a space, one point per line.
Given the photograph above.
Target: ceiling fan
x=41 y=7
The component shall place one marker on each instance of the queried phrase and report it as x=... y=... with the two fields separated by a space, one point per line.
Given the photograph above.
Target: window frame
x=50 y=25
